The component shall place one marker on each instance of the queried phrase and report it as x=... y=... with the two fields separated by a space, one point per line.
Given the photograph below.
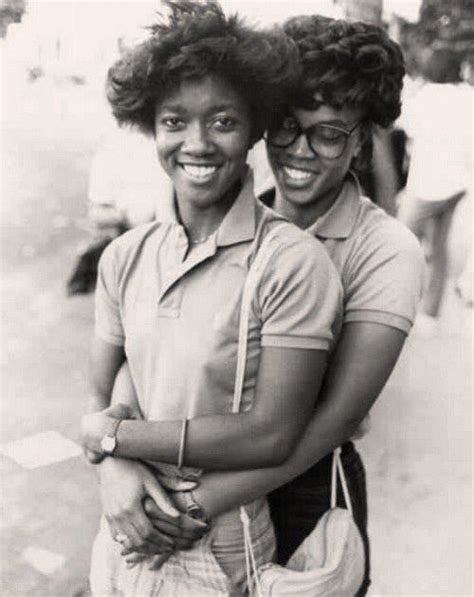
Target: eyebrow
x=337 y=123
x=181 y=109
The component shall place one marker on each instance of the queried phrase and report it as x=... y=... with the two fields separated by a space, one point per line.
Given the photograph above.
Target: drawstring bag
x=330 y=561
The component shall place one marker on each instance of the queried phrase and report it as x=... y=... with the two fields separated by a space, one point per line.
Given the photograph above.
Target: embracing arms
x=288 y=381
x=360 y=366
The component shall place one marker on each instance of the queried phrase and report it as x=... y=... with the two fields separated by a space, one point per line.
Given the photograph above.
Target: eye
x=329 y=133
x=172 y=123
x=224 y=123
x=289 y=124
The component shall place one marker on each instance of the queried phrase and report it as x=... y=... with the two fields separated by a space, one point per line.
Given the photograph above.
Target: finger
x=127 y=535
x=193 y=524
x=160 y=497
x=135 y=558
x=158 y=561
x=148 y=549
x=148 y=533
x=93 y=457
x=192 y=533
x=184 y=544
x=154 y=511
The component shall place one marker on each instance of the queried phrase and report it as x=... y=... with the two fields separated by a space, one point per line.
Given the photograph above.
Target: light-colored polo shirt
x=177 y=316
x=379 y=260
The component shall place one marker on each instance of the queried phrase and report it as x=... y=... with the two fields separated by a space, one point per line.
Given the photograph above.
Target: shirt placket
x=174 y=267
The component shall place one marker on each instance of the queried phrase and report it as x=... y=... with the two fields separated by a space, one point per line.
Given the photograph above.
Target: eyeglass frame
x=303 y=131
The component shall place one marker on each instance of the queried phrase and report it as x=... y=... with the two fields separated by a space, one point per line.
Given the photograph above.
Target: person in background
x=124 y=190
x=169 y=296
x=437 y=120
x=351 y=81
x=463 y=285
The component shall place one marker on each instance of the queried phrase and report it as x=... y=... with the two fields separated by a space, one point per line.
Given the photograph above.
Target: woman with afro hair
x=168 y=302
x=350 y=81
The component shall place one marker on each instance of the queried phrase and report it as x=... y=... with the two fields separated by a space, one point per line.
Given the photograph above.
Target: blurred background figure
x=124 y=187
x=437 y=120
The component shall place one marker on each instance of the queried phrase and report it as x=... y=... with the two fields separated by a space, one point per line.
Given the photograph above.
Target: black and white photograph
x=236 y=298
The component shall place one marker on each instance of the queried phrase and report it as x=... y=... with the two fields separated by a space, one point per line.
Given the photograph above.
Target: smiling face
x=307 y=181
x=202 y=136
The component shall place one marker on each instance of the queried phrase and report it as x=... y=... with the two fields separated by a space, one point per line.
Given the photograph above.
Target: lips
x=296 y=174
x=199 y=173
x=297 y=177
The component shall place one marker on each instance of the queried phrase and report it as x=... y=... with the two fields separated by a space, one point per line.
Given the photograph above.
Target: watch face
x=108 y=444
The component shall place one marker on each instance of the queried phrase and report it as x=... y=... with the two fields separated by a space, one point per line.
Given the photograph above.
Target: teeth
x=199 y=171
x=297 y=174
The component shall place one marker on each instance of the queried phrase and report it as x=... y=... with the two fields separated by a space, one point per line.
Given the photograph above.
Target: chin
x=299 y=196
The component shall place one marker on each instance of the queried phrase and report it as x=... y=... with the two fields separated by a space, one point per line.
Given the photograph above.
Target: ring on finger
x=121 y=538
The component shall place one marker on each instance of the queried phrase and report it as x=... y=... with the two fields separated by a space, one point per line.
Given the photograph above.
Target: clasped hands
x=146 y=520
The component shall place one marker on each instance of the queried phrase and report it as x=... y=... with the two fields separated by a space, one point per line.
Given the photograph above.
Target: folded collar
x=339 y=220
x=238 y=224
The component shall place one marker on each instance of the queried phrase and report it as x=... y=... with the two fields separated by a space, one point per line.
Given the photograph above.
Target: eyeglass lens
x=324 y=140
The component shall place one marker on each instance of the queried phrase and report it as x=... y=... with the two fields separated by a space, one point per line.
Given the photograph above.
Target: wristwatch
x=108 y=443
x=193 y=509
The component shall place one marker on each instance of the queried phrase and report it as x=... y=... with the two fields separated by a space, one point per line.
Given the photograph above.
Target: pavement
x=418 y=453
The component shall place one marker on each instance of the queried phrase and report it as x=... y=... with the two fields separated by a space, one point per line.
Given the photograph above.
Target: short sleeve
x=108 y=321
x=300 y=296
x=385 y=279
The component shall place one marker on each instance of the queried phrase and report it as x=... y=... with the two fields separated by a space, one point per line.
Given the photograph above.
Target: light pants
x=214 y=567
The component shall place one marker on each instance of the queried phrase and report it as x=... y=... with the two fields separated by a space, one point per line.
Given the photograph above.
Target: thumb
x=118 y=411
x=160 y=497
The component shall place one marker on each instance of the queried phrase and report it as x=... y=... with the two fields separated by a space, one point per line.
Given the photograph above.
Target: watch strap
x=193 y=508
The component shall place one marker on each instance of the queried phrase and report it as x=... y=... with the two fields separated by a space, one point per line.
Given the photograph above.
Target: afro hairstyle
x=195 y=40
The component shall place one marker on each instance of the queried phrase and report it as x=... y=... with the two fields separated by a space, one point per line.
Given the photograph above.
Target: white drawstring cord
x=338 y=470
x=249 y=555
x=258 y=264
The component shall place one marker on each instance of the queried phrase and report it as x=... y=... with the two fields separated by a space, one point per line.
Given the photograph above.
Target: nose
x=197 y=140
x=300 y=147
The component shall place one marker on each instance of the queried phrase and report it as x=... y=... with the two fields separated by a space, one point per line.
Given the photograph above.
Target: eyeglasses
x=325 y=140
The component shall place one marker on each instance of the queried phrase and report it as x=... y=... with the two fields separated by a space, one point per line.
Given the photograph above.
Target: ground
x=418 y=453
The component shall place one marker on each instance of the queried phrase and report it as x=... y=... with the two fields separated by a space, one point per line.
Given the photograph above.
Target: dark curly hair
x=350 y=64
x=194 y=40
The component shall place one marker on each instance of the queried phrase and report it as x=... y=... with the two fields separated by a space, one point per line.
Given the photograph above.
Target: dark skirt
x=297 y=506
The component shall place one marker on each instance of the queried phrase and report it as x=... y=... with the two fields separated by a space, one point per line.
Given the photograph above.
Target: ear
x=363 y=151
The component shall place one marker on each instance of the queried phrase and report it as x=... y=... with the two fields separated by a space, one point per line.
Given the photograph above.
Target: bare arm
x=288 y=380
x=360 y=366
x=105 y=362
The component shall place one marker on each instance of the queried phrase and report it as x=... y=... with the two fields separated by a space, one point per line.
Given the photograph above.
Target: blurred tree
x=363 y=10
x=448 y=24
x=11 y=11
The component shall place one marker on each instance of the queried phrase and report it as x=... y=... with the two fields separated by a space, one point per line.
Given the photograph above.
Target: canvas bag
x=330 y=561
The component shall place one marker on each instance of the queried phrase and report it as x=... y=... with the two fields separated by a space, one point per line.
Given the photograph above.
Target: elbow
x=275 y=447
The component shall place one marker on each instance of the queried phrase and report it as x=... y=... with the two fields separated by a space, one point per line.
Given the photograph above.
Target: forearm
x=231 y=441
x=222 y=491
x=359 y=368
x=264 y=436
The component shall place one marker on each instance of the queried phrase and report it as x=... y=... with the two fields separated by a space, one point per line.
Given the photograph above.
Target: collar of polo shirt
x=239 y=223
x=339 y=220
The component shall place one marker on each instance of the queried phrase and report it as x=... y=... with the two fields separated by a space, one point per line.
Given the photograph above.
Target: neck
x=306 y=215
x=201 y=222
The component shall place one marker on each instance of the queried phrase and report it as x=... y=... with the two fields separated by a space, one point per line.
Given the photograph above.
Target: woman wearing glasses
x=351 y=82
